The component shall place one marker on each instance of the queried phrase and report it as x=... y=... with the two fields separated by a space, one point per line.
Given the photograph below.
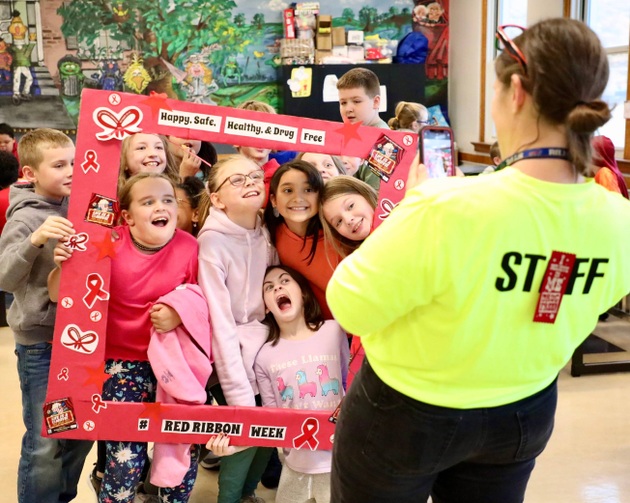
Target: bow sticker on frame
x=117 y=126
x=82 y=342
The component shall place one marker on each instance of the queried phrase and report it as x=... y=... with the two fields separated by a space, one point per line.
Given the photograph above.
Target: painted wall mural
x=218 y=52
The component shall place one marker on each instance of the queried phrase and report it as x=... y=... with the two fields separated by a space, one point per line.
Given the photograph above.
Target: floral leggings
x=133 y=381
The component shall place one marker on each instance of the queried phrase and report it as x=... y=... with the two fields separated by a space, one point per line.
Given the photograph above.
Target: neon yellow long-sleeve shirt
x=444 y=292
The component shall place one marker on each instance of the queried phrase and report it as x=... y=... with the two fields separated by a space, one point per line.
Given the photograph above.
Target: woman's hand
x=418 y=173
x=191 y=163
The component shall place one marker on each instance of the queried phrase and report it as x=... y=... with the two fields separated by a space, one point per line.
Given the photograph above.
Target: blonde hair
x=124 y=194
x=406 y=113
x=32 y=144
x=335 y=159
x=337 y=187
x=256 y=106
x=204 y=207
x=171 y=170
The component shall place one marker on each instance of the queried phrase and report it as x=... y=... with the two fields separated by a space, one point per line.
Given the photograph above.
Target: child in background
x=188 y=194
x=495 y=157
x=351 y=164
x=604 y=166
x=297 y=331
x=409 y=116
x=359 y=101
x=234 y=253
x=146 y=152
x=346 y=211
x=328 y=165
x=49 y=468
x=9 y=168
x=152 y=260
x=7 y=139
x=189 y=156
x=259 y=155
x=292 y=217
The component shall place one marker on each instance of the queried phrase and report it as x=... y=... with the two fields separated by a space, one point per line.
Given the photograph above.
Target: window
x=610 y=19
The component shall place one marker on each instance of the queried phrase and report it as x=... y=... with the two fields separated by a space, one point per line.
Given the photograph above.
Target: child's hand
x=164 y=318
x=191 y=163
x=418 y=173
x=61 y=253
x=54 y=227
x=220 y=445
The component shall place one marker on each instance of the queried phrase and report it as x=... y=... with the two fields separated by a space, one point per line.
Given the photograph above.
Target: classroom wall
x=465 y=62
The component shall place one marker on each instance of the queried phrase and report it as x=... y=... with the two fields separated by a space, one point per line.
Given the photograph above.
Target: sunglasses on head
x=505 y=42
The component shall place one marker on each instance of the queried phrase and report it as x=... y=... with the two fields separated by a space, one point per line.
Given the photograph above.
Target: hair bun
x=587 y=117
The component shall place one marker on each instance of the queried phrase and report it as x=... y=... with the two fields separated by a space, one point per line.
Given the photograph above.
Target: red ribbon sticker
x=94 y=283
x=90 y=162
x=554 y=284
x=98 y=403
x=77 y=241
x=81 y=342
x=310 y=427
x=115 y=125
x=63 y=374
x=387 y=206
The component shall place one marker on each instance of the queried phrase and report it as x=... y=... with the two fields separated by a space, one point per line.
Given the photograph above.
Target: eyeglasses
x=238 y=179
x=430 y=122
x=504 y=41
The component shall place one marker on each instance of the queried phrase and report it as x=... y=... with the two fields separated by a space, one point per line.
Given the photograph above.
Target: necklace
x=149 y=249
x=535 y=153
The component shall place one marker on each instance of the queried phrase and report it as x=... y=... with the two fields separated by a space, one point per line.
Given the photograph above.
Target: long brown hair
x=567 y=72
x=312 y=312
x=337 y=187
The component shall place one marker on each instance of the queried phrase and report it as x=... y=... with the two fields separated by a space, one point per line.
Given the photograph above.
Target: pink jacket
x=182 y=362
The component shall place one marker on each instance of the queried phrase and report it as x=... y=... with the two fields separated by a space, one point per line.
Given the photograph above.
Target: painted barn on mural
x=219 y=52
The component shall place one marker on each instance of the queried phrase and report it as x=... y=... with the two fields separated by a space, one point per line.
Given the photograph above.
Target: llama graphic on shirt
x=327 y=383
x=286 y=392
x=304 y=386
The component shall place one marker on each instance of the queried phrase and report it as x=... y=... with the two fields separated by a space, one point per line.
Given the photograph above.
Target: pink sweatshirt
x=232 y=264
x=182 y=363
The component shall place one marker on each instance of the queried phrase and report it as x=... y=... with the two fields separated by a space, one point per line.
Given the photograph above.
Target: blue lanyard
x=535 y=153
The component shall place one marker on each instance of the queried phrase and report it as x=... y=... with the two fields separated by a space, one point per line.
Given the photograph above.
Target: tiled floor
x=587 y=460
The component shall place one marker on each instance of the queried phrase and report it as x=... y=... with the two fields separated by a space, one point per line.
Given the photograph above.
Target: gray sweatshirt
x=24 y=268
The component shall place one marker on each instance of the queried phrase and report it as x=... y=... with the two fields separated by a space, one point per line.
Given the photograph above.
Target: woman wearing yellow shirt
x=475 y=291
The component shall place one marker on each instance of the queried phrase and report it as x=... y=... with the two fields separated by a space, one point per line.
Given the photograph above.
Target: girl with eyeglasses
x=475 y=292
x=234 y=253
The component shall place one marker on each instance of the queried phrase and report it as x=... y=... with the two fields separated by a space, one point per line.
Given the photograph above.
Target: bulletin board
x=74 y=407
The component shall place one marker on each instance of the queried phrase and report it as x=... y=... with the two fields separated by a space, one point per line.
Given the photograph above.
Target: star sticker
x=349 y=131
x=106 y=247
x=155 y=102
x=152 y=410
x=96 y=376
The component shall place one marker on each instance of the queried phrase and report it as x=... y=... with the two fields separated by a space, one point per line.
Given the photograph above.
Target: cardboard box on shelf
x=340 y=51
x=320 y=55
x=338 y=36
x=289 y=23
x=323 y=36
x=356 y=53
x=355 y=37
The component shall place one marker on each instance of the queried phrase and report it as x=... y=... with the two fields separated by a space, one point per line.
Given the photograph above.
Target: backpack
x=412 y=48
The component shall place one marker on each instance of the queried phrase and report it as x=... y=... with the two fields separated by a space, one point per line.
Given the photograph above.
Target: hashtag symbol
x=143 y=424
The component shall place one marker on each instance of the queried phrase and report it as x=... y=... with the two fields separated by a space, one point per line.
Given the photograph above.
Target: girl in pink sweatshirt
x=234 y=252
x=314 y=379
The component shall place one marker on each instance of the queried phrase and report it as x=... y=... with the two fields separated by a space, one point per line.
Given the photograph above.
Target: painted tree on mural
x=167 y=29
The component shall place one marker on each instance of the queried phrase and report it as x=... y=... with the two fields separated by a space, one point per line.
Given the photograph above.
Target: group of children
x=261 y=276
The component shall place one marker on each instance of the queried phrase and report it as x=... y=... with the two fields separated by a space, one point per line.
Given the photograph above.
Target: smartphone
x=437 y=150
